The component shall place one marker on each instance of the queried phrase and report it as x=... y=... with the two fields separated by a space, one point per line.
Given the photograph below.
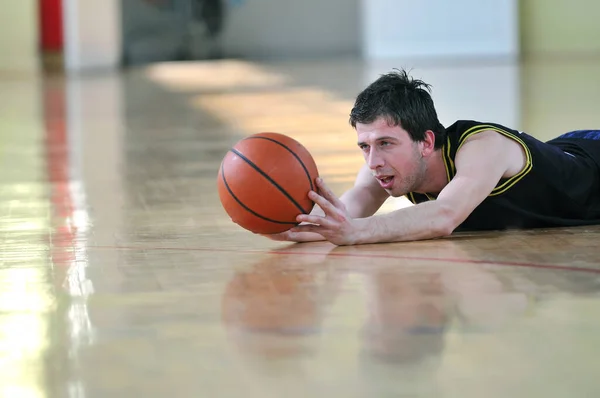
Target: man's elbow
x=448 y=220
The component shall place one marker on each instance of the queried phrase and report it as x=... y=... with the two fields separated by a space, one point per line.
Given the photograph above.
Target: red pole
x=51 y=32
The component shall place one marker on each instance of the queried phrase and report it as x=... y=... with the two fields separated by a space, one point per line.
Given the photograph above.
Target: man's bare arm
x=481 y=162
x=365 y=197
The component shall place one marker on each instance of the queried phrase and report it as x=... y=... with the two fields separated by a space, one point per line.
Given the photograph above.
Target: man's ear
x=428 y=144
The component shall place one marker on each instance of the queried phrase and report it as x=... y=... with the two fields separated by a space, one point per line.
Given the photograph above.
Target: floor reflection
x=122 y=276
x=27 y=302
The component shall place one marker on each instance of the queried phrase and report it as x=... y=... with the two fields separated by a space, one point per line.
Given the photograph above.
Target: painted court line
x=363 y=255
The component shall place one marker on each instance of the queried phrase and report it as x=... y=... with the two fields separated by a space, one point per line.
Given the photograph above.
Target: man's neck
x=437 y=177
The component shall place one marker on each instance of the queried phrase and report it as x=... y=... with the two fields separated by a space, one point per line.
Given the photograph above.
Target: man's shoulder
x=463 y=129
x=457 y=129
x=462 y=125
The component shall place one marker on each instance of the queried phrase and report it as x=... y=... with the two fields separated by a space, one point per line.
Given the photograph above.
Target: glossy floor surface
x=121 y=275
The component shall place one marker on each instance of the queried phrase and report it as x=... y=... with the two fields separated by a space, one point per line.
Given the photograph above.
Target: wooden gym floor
x=121 y=276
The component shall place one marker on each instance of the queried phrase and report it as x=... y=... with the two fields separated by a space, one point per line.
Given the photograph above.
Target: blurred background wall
x=108 y=34
x=92 y=33
x=19 y=51
x=439 y=28
x=559 y=27
x=309 y=28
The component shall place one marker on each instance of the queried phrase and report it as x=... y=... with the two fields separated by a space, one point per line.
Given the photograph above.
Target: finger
x=323 y=203
x=304 y=236
x=307 y=228
x=317 y=220
x=328 y=193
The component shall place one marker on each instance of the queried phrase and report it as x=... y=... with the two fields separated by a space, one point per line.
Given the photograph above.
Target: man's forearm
x=423 y=221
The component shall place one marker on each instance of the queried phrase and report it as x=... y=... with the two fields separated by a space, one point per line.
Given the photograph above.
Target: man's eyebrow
x=385 y=138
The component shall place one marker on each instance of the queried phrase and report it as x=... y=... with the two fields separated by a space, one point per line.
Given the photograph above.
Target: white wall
x=19 y=36
x=433 y=28
x=92 y=34
x=489 y=93
x=266 y=28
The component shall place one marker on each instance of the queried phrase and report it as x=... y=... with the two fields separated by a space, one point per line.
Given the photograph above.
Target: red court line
x=365 y=255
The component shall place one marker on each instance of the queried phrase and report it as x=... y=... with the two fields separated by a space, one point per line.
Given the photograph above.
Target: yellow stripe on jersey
x=448 y=163
x=517 y=177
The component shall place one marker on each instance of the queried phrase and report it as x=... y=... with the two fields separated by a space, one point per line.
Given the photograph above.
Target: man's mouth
x=386 y=181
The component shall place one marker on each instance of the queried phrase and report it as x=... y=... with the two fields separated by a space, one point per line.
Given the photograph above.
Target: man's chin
x=395 y=193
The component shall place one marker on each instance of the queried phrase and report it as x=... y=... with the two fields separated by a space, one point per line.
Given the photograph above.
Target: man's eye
x=384 y=143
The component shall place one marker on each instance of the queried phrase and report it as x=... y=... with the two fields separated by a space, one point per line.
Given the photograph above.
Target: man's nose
x=374 y=160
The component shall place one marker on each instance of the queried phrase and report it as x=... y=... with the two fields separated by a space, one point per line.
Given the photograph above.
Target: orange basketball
x=264 y=181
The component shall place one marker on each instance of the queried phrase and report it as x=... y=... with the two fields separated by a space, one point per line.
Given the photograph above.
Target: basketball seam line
x=255 y=167
x=293 y=153
x=246 y=207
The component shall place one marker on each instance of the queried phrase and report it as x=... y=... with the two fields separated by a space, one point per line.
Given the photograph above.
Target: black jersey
x=559 y=185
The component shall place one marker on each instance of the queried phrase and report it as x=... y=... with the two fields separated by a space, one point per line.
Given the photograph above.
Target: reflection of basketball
x=264 y=180
x=269 y=298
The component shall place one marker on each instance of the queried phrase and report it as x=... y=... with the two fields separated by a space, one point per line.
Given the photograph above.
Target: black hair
x=402 y=101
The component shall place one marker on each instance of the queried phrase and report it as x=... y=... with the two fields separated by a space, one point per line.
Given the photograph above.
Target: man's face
x=394 y=159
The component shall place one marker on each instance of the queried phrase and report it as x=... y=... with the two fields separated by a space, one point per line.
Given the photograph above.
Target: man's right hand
x=289 y=236
x=362 y=200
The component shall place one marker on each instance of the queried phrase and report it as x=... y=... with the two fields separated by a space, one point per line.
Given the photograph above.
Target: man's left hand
x=336 y=225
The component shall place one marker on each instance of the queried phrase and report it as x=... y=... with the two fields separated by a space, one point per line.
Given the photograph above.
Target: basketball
x=264 y=180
